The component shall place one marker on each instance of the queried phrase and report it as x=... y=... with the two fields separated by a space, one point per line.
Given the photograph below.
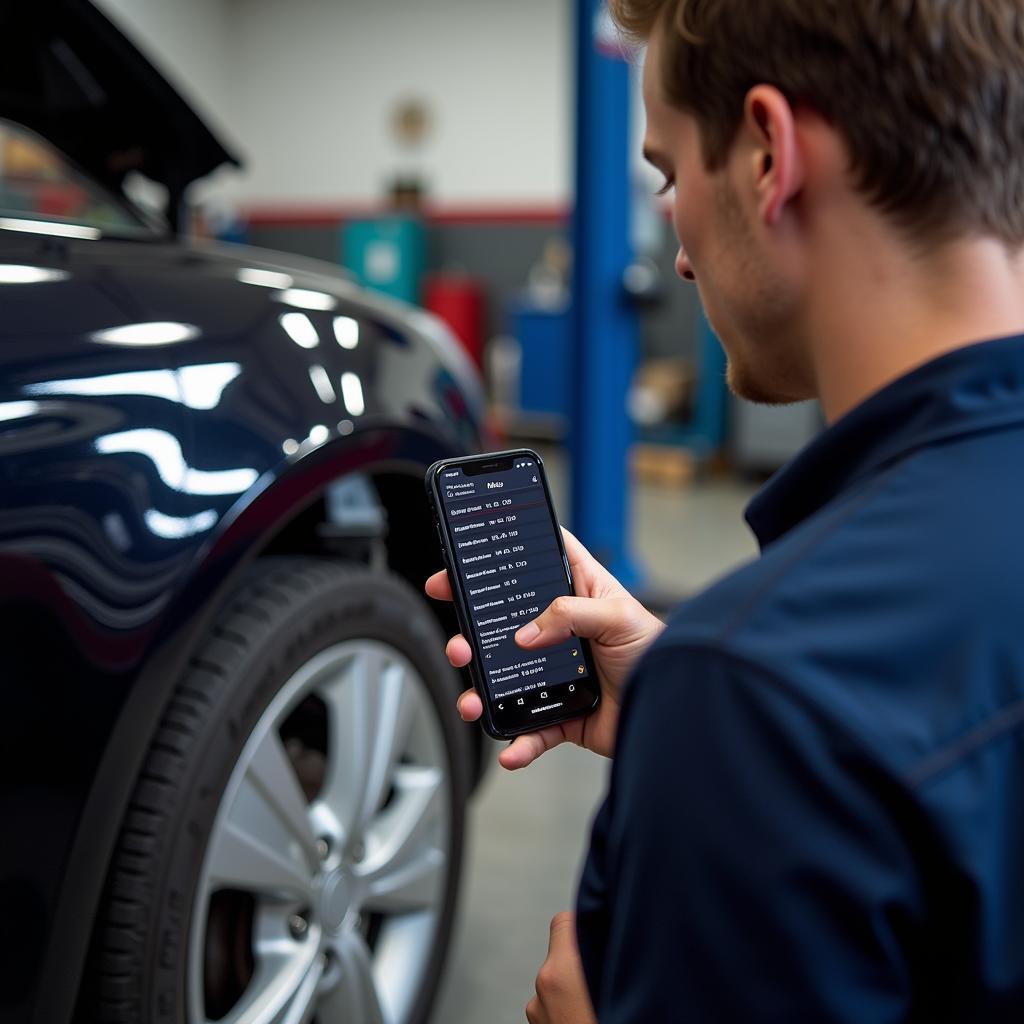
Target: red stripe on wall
x=330 y=215
x=499 y=215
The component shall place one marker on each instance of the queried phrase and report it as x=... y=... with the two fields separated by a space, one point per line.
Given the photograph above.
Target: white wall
x=321 y=77
x=305 y=92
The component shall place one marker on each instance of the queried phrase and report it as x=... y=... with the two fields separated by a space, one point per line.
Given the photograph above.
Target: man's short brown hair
x=928 y=94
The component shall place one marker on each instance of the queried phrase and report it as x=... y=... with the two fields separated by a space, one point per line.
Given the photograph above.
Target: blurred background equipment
x=458 y=300
x=387 y=254
x=410 y=124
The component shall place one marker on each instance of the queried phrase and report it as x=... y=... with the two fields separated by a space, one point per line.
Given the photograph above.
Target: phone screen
x=507 y=556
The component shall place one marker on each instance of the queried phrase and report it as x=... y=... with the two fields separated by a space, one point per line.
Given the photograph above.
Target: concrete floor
x=528 y=831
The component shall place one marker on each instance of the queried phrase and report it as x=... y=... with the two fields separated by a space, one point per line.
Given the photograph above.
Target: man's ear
x=777 y=165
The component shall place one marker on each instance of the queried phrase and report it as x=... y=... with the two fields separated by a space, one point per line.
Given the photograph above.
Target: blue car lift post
x=605 y=331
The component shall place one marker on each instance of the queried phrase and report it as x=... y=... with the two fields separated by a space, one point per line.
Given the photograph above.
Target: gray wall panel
x=317 y=242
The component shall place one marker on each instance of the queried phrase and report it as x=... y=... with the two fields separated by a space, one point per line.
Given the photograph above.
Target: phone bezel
x=590 y=685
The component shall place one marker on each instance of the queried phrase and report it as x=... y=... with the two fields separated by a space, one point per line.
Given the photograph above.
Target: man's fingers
x=570 y=616
x=438 y=587
x=460 y=654
x=470 y=706
x=525 y=749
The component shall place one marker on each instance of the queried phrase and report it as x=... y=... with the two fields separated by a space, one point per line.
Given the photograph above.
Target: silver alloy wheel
x=372 y=843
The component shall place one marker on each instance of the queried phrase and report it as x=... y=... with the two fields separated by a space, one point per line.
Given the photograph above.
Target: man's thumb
x=566 y=617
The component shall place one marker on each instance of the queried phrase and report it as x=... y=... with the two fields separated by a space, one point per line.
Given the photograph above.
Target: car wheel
x=292 y=849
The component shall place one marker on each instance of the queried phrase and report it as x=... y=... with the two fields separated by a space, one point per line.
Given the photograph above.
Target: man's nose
x=683 y=268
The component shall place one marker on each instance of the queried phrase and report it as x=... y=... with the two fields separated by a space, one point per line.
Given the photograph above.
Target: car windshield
x=37 y=182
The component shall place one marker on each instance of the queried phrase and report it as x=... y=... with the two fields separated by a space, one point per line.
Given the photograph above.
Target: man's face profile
x=723 y=250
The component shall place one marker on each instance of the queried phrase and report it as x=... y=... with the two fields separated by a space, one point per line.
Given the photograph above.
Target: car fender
x=218 y=567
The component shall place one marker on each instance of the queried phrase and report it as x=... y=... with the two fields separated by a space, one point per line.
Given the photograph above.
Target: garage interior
x=430 y=151
x=493 y=246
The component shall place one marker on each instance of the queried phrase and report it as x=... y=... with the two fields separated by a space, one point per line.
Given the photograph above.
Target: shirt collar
x=978 y=387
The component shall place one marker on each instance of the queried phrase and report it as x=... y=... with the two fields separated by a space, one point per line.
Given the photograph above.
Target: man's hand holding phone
x=619 y=628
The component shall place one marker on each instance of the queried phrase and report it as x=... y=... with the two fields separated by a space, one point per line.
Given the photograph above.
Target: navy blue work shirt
x=816 y=811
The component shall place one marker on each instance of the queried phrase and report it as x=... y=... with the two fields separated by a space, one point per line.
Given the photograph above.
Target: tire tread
x=119 y=950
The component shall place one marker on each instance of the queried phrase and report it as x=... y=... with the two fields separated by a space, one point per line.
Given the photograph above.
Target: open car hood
x=70 y=75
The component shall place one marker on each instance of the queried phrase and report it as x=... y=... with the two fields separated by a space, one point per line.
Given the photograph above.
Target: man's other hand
x=562 y=996
x=619 y=628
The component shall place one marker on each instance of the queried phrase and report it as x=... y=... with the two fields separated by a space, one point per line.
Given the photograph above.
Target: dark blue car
x=232 y=786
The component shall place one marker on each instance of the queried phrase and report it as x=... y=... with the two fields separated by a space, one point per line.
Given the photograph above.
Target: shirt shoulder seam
x=752 y=600
x=783 y=685
x=920 y=772
x=953 y=753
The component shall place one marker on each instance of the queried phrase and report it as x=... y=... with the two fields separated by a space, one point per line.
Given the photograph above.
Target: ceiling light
x=17 y=410
x=158 y=332
x=47 y=227
x=197 y=387
x=352 y=393
x=203 y=386
x=306 y=299
x=179 y=527
x=165 y=453
x=300 y=329
x=16 y=273
x=346 y=330
x=264 y=278
x=322 y=382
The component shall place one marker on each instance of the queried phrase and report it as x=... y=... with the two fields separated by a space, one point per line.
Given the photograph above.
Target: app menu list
x=511 y=566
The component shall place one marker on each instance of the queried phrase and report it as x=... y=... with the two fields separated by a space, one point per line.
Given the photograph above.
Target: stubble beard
x=749 y=386
x=763 y=356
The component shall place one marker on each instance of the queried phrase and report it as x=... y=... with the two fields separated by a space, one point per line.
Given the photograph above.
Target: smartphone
x=503 y=550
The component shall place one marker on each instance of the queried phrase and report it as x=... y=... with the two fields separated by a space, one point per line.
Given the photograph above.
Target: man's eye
x=665 y=189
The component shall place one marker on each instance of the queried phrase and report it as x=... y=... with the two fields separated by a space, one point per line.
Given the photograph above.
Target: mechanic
x=816 y=811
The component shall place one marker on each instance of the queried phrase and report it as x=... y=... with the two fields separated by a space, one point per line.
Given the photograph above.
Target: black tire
x=287 y=611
